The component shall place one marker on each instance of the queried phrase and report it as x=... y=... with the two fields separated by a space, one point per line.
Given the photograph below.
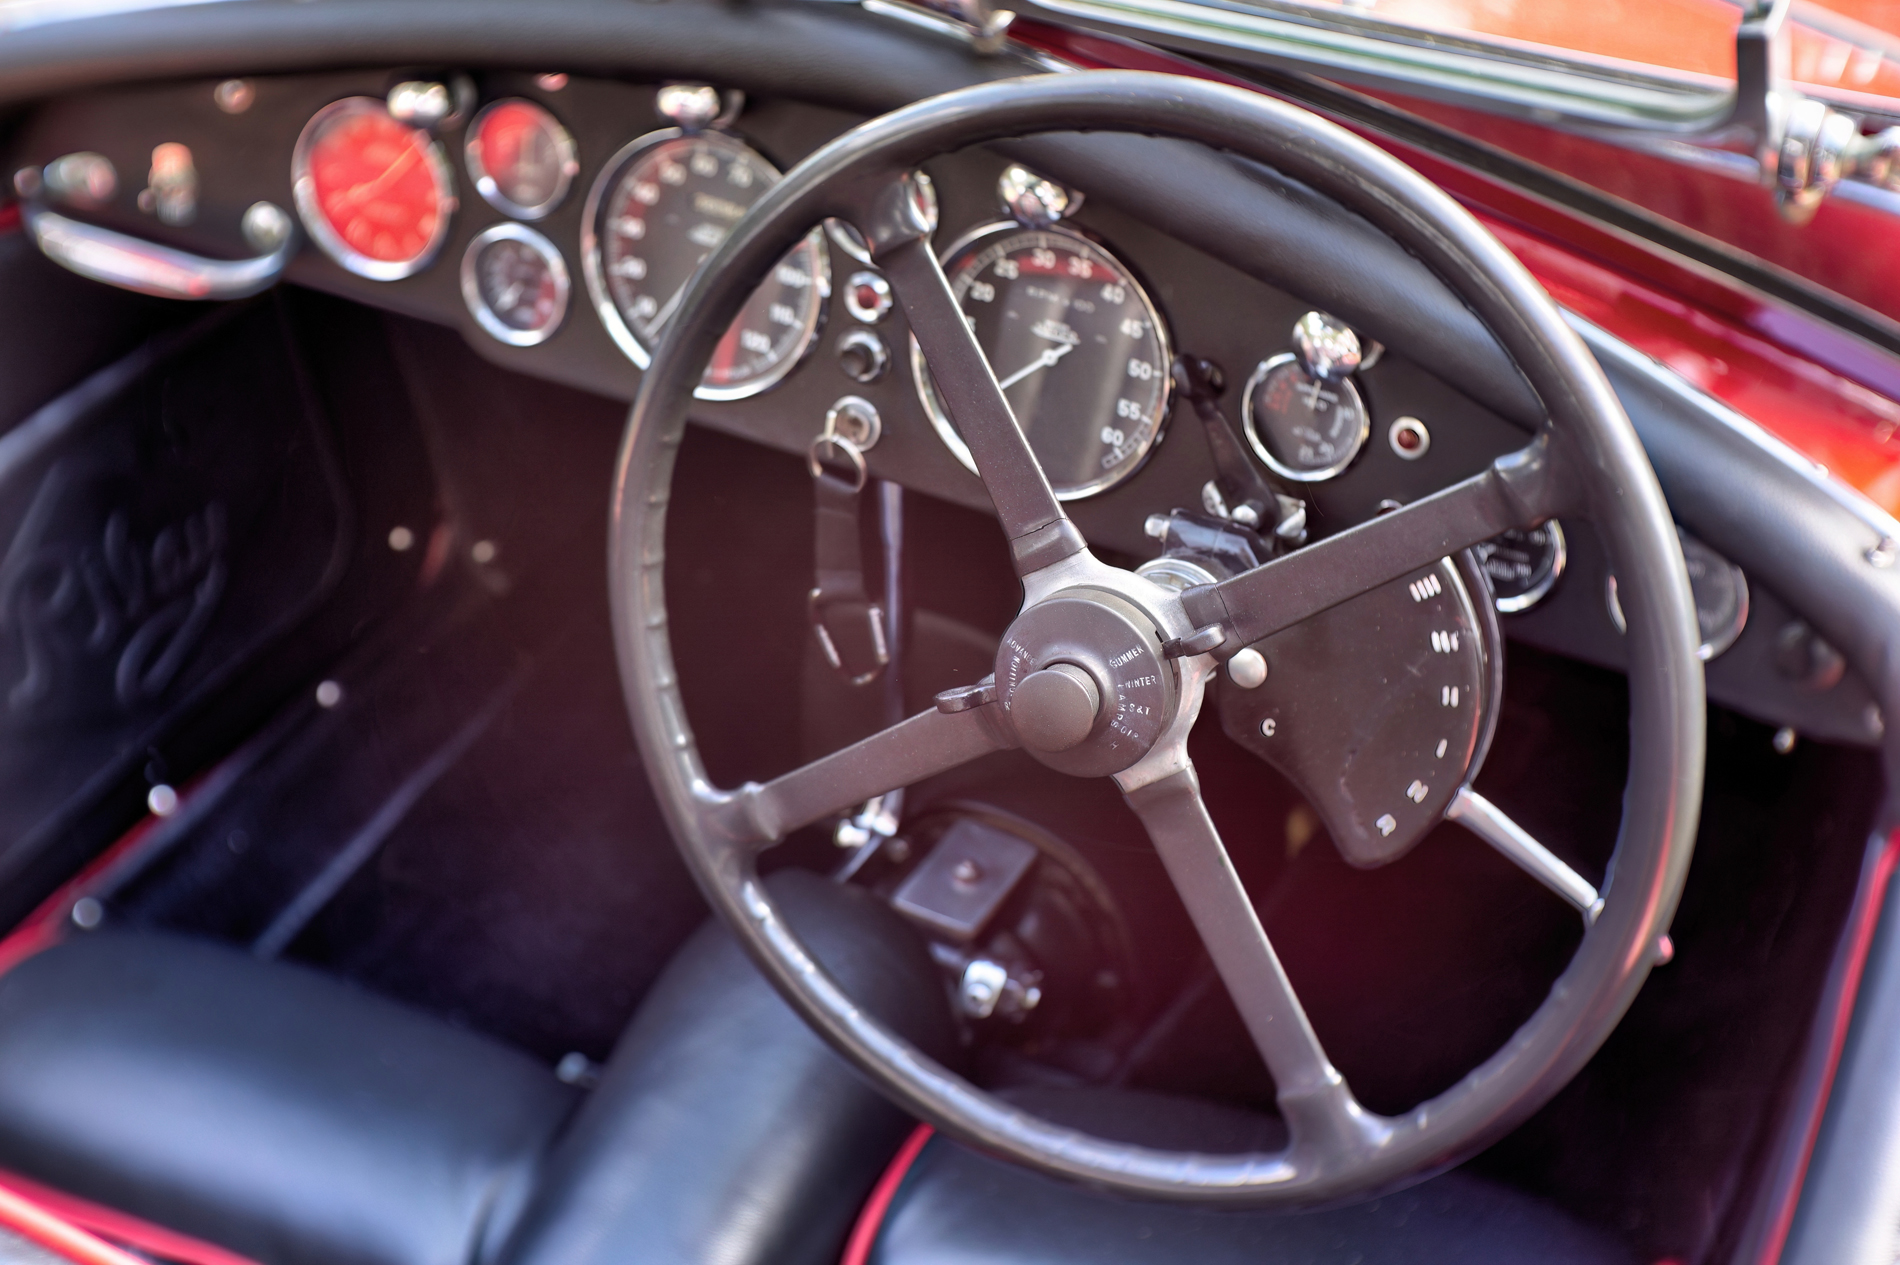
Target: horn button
x=1083 y=681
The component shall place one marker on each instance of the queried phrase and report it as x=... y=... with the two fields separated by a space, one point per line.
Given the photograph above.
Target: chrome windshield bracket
x=1805 y=146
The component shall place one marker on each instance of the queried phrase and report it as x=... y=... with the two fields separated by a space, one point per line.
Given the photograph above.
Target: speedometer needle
x=1044 y=361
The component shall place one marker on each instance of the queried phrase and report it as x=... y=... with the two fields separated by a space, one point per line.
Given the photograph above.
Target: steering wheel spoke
x=1519 y=490
x=1038 y=530
x=1487 y=821
x=1326 y=1123
x=928 y=743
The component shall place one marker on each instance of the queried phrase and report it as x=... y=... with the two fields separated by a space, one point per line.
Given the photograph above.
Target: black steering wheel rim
x=1606 y=479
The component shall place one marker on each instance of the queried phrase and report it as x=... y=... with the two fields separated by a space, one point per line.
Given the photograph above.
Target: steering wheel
x=1585 y=461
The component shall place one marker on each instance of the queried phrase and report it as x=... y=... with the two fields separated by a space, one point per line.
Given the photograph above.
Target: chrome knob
x=1328 y=348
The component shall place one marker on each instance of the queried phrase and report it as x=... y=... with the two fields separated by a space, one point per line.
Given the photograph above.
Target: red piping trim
x=30 y=1221
x=78 y=1230
x=857 y=1249
x=1860 y=941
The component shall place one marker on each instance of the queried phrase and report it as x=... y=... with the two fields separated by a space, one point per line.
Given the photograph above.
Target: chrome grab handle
x=132 y=263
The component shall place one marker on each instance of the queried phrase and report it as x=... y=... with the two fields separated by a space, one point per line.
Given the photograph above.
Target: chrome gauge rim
x=317 y=224
x=1263 y=451
x=478 y=305
x=1518 y=603
x=594 y=269
x=568 y=163
x=1156 y=423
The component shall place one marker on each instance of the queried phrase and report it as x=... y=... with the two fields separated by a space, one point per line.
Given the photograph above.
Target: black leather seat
x=956 y=1207
x=295 y=1119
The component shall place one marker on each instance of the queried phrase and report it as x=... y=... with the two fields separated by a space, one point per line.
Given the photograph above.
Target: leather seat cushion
x=956 y=1207
x=261 y=1106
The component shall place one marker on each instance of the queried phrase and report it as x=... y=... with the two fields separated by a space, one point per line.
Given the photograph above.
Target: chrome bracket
x=1805 y=146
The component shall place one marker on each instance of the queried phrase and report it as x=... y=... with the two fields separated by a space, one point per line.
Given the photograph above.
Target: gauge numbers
x=1076 y=344
x=373 y=192
x=659 y=208
x=1303 y=428
x=515 y=283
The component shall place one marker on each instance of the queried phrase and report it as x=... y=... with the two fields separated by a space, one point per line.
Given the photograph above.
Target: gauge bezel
x=1164 y=408
x=1265 y=454
x=593 y=270
x=1706 y=650
x=490 y=188
x=317 y=224
x=1539 y=591
x=478 y=306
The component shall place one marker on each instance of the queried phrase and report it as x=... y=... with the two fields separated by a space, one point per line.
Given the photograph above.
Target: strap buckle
x=834 y=618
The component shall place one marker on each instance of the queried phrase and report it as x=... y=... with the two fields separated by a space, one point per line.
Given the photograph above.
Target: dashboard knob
x=863 y=356
x=1328 y=348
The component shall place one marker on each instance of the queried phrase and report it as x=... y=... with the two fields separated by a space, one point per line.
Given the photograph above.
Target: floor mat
x=466 y=826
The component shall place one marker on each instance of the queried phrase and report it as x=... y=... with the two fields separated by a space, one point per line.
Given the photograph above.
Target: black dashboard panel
x=1213 y=311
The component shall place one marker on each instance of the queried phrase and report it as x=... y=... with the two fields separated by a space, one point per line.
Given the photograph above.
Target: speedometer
x=1076 y=344
x=658 y=209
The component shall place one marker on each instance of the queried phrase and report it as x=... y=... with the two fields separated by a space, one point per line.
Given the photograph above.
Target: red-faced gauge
x=375 y=194
x=520 y=158
x=657 y=210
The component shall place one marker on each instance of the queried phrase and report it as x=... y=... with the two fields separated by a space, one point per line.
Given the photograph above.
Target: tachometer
x=1077 y=346
x=373 y=192
x=662 y=205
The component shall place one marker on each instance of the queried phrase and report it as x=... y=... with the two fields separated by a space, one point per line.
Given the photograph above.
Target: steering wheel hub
x=1083 y=682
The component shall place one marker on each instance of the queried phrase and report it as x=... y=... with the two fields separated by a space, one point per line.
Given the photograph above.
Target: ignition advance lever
x=1237 y=492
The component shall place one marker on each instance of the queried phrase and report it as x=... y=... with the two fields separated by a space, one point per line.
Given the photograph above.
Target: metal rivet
x=483 y=552
x=329 y=694
x=550 y=83
x=234 y=96
x=1248 y=669
x=1665 y=950
x=1409 y=438
x=1784 y=740
x=162 y=800
x=401 y=539
x=88 y=913
x=966 y=871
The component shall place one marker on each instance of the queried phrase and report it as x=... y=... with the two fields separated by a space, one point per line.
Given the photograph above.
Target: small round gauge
x=1076 y=344
x=1303 y=428
x=658 y=209
x=1720 y=590
x=374 y=193
x=520 y=158
x=515 y=283
x=1522 y=565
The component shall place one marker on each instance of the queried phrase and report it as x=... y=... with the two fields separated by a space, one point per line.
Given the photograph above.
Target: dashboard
x=555 y=221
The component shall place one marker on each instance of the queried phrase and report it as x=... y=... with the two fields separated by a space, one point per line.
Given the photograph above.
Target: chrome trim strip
x=1886 y=529
x=131 y=263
